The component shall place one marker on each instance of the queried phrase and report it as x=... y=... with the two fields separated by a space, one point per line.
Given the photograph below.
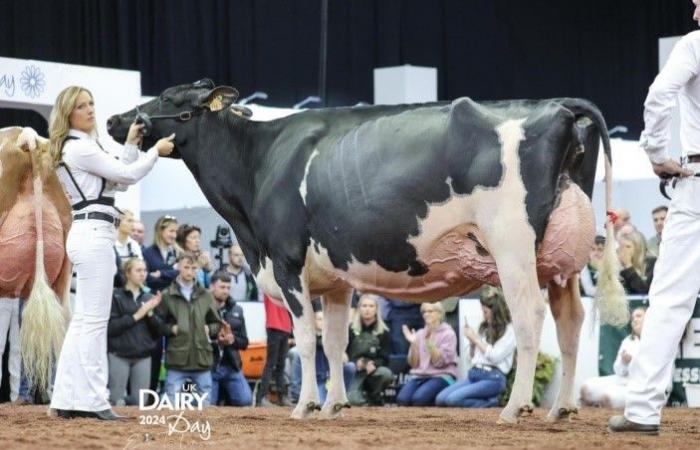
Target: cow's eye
x=165 y=100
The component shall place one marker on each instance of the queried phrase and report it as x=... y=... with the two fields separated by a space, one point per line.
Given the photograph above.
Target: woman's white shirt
x=499 y=354
x=88 y=164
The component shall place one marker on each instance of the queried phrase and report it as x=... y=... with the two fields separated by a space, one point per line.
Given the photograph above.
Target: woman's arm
x=90 y=158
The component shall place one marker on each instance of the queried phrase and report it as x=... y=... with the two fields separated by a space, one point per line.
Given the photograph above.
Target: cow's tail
x=610 y=295
x=43 y=319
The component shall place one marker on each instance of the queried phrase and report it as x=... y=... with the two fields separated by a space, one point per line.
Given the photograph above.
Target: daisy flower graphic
x=32 y=81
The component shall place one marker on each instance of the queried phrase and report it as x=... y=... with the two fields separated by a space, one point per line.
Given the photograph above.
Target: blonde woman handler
x=90 y=177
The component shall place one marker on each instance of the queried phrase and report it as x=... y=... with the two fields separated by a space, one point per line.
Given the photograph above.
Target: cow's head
x=173 y=111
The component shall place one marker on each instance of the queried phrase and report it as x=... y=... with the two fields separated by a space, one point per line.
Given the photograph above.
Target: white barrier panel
x=34 y=85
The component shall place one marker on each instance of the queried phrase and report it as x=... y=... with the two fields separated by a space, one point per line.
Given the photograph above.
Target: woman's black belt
x=96 y=215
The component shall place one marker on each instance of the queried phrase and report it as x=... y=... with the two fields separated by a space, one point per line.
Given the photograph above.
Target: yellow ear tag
x=216 y=104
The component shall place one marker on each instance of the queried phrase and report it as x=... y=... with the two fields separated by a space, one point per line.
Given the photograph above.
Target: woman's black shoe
x=105 y=414
x=65 y=413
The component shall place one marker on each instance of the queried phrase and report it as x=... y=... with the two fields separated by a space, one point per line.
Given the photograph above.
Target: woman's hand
x=165 y=145
x=410 y=335
x=204 y=261
x=147 y=307
x=470 y=333
x=135 y=134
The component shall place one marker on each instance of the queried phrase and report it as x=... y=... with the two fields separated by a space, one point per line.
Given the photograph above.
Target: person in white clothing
x=90 y=177
x=491 y=350
x=126 y=247
x=676 y=282
x=610 y=391
x=9 y=327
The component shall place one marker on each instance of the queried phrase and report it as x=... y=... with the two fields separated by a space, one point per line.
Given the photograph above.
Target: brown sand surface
x=28 y=427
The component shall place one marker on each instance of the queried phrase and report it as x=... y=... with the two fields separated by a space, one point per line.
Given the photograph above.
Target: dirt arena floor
x=28 y=427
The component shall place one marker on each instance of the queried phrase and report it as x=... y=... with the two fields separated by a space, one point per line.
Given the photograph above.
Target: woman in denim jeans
x=491 y=351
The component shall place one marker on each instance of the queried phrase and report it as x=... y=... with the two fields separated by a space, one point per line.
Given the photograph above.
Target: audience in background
x=190 y=322
x=278 y=325
x=228 y=382
x=368 y=351
x=491 y=349
x=432 y=356
x=658 y=215
x=610 y=391
x=133 y=332
x=243 y=287
x=188 y=239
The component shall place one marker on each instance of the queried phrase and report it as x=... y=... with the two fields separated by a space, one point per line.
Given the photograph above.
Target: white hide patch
x=497 y=214
x=302 y=186
x=265 y=279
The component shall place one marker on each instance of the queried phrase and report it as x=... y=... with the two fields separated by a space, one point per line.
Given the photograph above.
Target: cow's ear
x=218 y=98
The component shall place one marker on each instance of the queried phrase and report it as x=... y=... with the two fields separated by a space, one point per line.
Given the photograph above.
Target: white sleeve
x=682 y=65
x=90 y=158
x=501 y=348
x=130 y=154
x=620 y=368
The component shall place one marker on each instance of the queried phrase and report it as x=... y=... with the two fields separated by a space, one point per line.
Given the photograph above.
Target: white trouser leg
x=9 y=321
x=82 y=372
x=671 y=302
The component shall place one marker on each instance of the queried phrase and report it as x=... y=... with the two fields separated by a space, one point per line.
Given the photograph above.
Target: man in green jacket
x=190 y=323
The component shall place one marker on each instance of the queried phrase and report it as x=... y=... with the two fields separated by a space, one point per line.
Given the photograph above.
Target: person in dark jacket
x=368 y=348
x=160 y=259
x=132 y=334
x=637 y=270
x=227 y=375
x=190 y=323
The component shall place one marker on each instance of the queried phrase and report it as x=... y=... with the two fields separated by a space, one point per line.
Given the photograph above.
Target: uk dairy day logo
x=176 y=422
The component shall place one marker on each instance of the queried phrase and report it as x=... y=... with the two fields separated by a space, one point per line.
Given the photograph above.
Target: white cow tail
x=610 y=295
x=43 y=321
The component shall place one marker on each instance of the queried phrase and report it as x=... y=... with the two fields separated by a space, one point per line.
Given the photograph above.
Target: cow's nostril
x=111 y=122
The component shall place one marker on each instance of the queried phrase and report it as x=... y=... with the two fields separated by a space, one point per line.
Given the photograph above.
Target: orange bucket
x=253 y=359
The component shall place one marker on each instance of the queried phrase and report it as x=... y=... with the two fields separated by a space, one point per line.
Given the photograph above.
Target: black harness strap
x=100 y=200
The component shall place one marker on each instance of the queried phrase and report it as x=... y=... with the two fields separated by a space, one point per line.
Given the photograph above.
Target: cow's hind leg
x=336 y=309
x=296 y=296
x=565 y=303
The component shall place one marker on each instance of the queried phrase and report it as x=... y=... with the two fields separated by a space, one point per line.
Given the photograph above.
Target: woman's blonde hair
x=161 y=224
x=59 y=120
x=640 y=249
x=436 y=306
x=379 y=325
x=130 y=263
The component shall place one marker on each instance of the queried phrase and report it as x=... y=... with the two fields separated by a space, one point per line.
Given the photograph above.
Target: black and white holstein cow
x=418 y=202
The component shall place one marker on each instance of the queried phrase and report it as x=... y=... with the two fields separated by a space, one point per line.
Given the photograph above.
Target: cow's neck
x=221 y=160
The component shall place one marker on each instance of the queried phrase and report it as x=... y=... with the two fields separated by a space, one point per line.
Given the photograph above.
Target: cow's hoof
x=525 y=410
x=334 y=410
x=305 y=410
x=556 y=414
x=507 y=419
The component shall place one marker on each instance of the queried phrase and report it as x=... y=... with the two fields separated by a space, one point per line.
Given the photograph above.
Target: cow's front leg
x=336 y=308
x=296 y=296
x=568 y=313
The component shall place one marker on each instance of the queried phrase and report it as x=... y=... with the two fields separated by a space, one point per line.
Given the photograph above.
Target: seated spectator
x=433 y=357
x=322 y=367
x=610 y=391
x=160 y=257
x=368 y=351
x=589 y=274
x=491 y=350
x=228 y=380
x=188 y=239
x=636 y=269
x=243 y=286
x=132 y=334
x=278 y=325
x=190 y=321
x=658 y=214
